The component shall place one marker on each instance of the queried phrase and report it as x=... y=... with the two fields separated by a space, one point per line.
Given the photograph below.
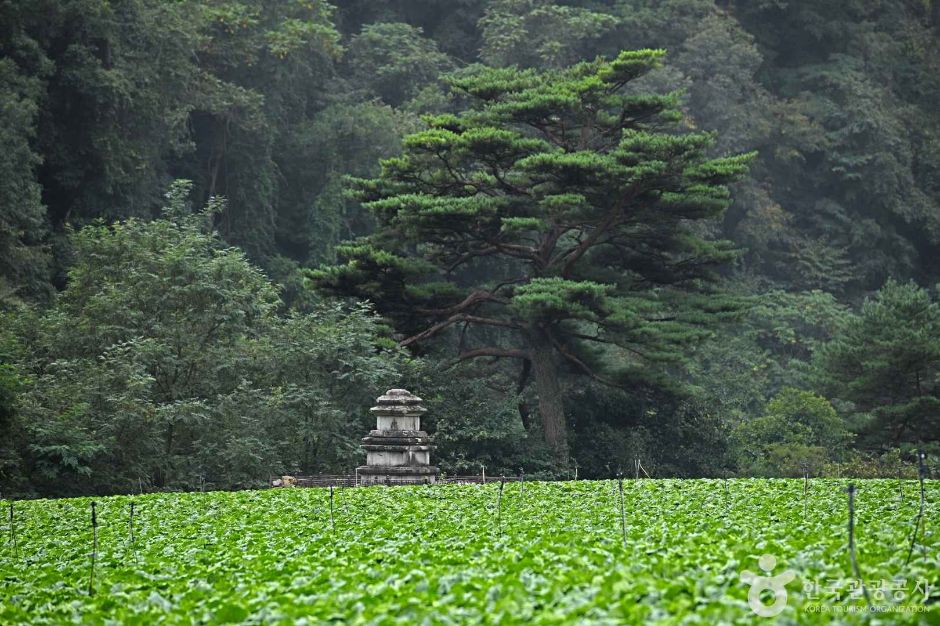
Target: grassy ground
x=553 y=553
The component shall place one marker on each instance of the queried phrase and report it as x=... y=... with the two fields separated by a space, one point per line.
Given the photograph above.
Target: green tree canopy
x=886 y=362
x=559 y=209
x=394 y=61
x=165 y=363
x=799 y=432
x=539 y=33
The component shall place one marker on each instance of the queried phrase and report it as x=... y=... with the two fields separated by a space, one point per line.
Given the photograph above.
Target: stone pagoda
x=397 y=451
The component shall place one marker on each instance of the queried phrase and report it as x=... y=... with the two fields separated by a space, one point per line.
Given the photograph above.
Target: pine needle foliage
x=563 y=210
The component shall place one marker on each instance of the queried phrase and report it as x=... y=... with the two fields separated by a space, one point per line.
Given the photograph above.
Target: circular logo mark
x=759 y=584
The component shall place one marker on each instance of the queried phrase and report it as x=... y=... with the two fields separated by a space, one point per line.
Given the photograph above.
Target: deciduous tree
x=165 y=362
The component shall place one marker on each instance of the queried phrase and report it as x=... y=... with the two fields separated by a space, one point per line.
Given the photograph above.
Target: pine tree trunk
x=548 y=388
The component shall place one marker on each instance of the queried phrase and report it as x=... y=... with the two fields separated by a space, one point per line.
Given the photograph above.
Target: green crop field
x=555 y=553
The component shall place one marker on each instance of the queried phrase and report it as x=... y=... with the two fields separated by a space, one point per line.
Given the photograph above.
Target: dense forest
x=703 y=233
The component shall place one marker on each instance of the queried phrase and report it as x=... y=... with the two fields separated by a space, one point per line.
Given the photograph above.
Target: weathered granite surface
x=397 y=451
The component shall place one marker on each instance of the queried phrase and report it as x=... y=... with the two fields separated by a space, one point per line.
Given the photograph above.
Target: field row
x=539 y=553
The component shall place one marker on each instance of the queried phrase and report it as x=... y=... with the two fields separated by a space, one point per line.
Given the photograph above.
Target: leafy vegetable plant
x=434 y=555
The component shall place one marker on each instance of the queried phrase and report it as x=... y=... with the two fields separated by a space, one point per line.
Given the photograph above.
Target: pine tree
x=557 y=220
x=886 y=362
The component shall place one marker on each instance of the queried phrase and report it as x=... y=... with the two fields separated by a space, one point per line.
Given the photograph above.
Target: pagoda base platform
x=397 y=474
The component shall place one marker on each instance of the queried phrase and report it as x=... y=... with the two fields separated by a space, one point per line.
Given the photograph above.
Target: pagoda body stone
x=397 y=451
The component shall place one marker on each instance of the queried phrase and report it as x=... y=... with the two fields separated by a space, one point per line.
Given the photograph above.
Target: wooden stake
x=855 y=569
x=900 y=488
x=623 y=519
x=499 y=506
x=94 y=549
x=130 y=523
x=332 y=523
x=805 y=489
x=921 y=474
x=16 y=548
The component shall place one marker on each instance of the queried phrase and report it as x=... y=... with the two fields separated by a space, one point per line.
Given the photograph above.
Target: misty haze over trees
x=700 y=233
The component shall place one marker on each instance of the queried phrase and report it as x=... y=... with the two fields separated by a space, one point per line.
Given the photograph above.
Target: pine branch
x=474 y=298
x=597 y=339
x=493 y=351
x=518 y=251
x=554 y=139
x=588 y=242
x=471 y=319
x=584 y=367
x=472 y=254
